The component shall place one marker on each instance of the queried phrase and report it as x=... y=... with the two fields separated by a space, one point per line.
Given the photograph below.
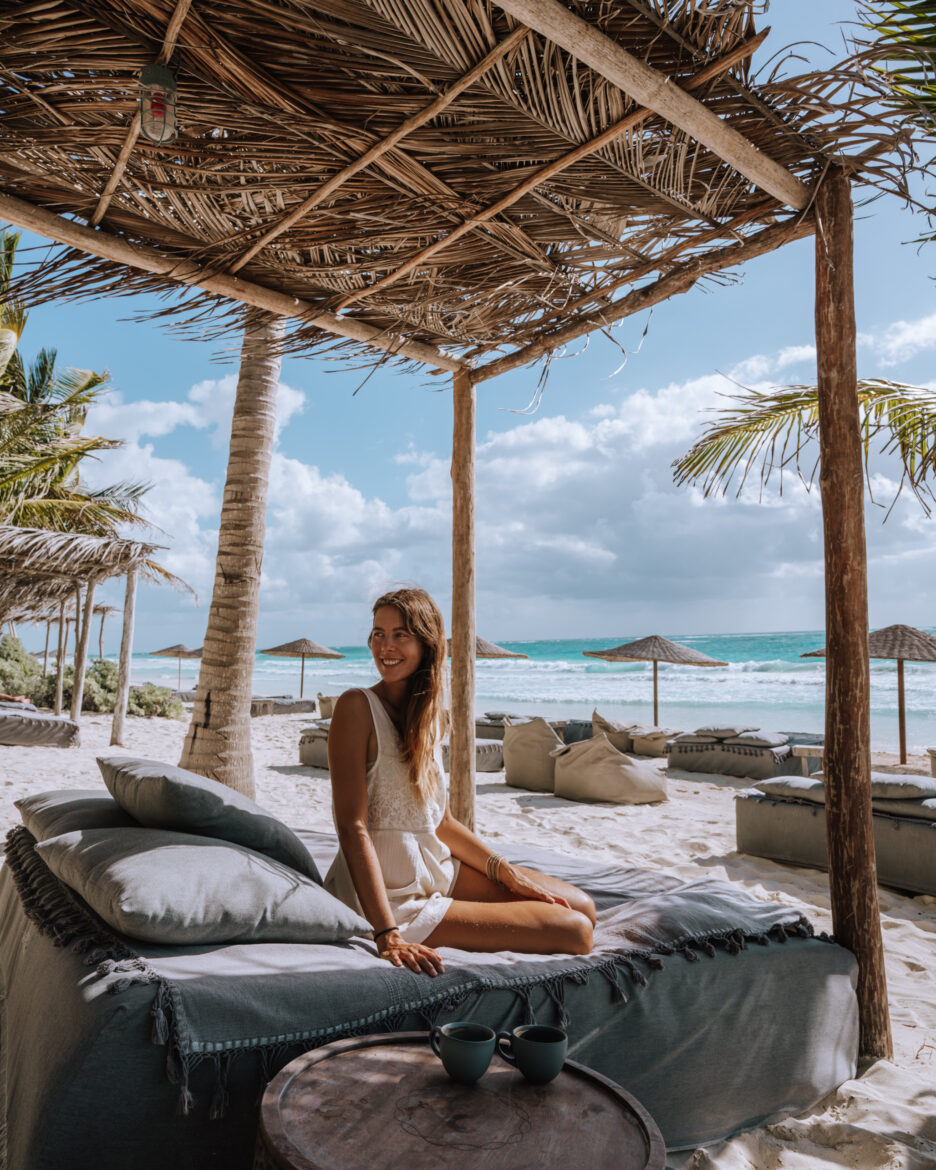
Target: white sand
x=887 y=1118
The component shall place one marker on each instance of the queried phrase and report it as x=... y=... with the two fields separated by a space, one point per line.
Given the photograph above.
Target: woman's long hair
x=424 y=715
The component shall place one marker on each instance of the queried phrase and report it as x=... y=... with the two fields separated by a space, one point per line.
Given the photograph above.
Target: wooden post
x=60 y=660
x=123 y=670
x=45 y=654
x=901 y=711
x=847 y=757
x=656 y=702
x=302 y=677
x=81 y=652
x=462 y=755
x=100 y=641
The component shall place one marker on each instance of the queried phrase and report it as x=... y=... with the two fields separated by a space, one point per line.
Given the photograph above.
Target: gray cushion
x=694 y=737
x=894 y=786
x=161 y=796
x=915 y=810
x=178 y=888
x=794 y=788
x=766 y=739
x=725 y=730
x=49 y=814
x=22 y=728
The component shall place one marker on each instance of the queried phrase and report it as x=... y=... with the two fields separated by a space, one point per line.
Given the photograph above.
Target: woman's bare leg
x=486 y=917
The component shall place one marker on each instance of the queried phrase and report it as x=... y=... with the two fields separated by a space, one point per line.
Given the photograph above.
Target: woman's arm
x=348 y=736
x=471 y=850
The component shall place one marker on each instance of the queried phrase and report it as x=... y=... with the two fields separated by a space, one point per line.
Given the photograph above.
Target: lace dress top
x=418 y=869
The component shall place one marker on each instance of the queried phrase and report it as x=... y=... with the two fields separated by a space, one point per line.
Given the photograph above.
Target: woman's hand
x=416 y=956
x=514 y=879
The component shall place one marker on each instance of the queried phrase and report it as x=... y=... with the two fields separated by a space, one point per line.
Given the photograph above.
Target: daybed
x=784 y=820
x=740 y=751
x=313 y=750
x=24 y=728
x=715 y=1010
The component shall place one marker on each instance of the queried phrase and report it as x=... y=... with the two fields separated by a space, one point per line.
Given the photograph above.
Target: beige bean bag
x=651 y=741
x=527 y=759
x=594 y=769
x=620 y=734
x=326 y=705
x=313 y=747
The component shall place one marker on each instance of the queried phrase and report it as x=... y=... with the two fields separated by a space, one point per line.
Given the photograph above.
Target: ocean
x=766 y=683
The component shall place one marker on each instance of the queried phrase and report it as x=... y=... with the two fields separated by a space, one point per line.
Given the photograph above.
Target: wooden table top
x=385 y=1103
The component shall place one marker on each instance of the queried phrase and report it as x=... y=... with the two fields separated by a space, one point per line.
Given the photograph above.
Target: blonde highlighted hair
x=425 y=707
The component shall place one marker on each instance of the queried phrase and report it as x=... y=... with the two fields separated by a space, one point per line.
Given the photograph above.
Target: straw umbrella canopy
x=302 y=648
x=178 y=651
x=906 y=644
x=486 y=649
x=655 y=649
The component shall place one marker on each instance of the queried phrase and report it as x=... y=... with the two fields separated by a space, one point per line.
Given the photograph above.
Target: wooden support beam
x=123 y=670
x=81 y=651
x=901 y=711
x=60 y=661
x=679 y=280
x=847 y=758
x=149 y=259
x=462 y=753
x=652 y=89
x=168 y=47
x=540 y=175
x=383 y=145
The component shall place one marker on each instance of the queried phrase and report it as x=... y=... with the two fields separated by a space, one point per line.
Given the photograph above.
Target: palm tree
x=218 y=740
x=12 y=313
x=774 y=430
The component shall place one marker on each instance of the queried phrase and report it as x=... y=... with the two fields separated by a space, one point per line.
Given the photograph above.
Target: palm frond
x=767 y=432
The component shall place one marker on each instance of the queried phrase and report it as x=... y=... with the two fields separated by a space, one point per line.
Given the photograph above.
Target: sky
x=581 y=531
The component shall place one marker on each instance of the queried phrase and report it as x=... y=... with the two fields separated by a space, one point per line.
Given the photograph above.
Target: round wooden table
x=385 y=1103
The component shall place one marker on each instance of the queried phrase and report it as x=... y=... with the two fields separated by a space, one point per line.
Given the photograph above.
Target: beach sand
x=886 y=1118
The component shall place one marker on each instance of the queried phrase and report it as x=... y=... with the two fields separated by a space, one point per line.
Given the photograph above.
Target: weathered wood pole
x=218 y=740
x=462 y=776
x=60 y=660
x=45 y=653
x=901 y=711
x=302 y=677
x=81 y=652
x=656 y=700
x=123 y=669
x=847 y=760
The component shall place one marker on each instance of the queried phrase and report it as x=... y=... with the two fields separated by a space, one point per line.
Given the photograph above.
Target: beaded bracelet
x=493 y=868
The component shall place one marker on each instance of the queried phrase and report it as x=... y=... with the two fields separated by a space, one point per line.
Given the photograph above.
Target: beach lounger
x=23 y=728
x=755 y=754
x=784 y=820
x=120 y=1054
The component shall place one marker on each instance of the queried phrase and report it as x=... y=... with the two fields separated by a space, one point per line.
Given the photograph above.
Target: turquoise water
x=765 y=683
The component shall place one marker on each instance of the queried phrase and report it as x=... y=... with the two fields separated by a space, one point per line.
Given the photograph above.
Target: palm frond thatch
x=775 y=430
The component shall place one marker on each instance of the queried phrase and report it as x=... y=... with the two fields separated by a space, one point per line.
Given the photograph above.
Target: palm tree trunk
x=218 y=740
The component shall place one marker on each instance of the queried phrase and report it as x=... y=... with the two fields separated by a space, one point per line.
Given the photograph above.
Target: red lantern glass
x=158 y=103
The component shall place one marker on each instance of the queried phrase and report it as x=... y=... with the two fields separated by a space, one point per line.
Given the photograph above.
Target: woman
x=416 y=874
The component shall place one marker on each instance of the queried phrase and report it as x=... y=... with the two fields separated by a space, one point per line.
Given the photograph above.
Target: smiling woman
x=419 y=876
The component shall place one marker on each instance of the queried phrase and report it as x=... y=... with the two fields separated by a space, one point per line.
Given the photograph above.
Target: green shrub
x=100 y=692
x=20 y=673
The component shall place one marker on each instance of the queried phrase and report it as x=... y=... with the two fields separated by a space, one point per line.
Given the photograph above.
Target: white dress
x=419 y=871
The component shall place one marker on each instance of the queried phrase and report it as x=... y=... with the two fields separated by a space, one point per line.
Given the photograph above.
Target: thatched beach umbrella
x=486 y=649
x=654 y=649
x=906 y=644
x=179 y=651
x=302 y=648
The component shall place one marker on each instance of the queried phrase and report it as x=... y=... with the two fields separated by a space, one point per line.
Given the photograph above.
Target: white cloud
x=904 y=339
x=794 y=354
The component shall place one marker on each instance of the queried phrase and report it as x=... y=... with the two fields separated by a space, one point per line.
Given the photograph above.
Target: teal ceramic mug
x=537 y=1050
x=465 y=1049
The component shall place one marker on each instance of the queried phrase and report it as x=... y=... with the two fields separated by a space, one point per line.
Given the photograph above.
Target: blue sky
x=581 y=531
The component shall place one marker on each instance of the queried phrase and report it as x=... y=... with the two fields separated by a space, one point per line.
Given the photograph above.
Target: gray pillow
x=49 y=814
x=161 y=796
x=895 y=786
x=179 y=889
x=725 y=730
x=764 y=739
x=794 y=787
x=916 y=810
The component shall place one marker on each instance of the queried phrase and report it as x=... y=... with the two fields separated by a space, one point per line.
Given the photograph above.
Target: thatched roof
x=486 y=649
x=177 y=651
x=437 y=179
x=895 y=642
x=302 y=648
x=654 y=649
x=40 y=569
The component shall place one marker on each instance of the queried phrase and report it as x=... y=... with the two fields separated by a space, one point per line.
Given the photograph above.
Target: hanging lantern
x=158 y=103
